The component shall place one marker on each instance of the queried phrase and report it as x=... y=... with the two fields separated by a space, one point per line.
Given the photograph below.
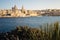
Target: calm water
x=7 y=24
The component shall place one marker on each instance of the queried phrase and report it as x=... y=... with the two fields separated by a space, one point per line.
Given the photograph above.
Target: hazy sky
x=30 y=4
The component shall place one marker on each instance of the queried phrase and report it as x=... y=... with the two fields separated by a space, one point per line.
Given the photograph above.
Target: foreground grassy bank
x=50 y=32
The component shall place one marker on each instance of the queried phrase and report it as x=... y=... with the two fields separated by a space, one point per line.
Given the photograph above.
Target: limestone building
x=15 y=12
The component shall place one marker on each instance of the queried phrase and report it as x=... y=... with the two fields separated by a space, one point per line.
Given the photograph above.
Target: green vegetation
x=50 y=32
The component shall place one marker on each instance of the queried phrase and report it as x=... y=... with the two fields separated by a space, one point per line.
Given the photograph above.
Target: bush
x=50 y=32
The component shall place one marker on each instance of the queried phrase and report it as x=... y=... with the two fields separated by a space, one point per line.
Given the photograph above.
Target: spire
x=23 y=10
x=22 y=7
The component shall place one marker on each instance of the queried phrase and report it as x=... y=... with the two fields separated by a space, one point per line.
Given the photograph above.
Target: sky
x=30 y=4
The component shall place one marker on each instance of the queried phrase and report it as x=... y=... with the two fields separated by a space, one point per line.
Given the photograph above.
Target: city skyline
x=30 y=4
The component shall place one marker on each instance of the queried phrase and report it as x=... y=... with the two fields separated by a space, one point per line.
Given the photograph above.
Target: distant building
x=15 y=12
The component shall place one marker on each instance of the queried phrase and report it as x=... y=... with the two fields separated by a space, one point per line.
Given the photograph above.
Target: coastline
x=20 y=16
x=17 y=16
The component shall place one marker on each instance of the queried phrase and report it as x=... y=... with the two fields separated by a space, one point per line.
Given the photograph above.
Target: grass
x=50 y=32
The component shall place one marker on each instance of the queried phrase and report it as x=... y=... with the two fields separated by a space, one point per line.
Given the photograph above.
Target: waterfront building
x=15 y=12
